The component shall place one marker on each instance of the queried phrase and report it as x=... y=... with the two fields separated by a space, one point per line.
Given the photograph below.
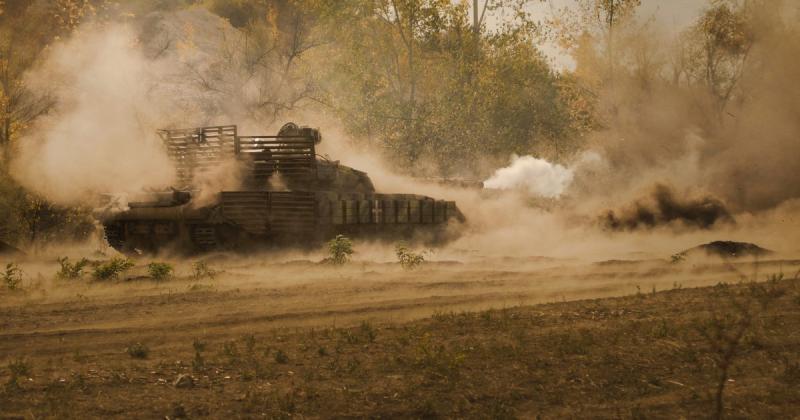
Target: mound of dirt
x=729 y=249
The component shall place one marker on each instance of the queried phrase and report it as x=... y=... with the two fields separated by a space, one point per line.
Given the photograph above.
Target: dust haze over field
x=612 y=205
x=115 y=84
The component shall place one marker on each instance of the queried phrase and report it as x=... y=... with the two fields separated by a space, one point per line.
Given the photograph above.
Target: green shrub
x=12 y=276
x=19 y=369
x=159 y=271
x=138 y=351
x=199 y=363
x=112 y=268
x=340 y=249
x=678 y=258
x=71 y=270
x=408 y=259
x=369 y=331
x=201 y=270
x=281 y=357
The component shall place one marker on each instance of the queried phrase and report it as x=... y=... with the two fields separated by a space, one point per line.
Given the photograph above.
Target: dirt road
x=61 y=326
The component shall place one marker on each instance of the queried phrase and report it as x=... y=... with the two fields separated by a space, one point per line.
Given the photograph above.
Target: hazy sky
x=671 y=15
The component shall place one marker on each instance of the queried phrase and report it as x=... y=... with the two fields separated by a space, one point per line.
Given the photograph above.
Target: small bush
x=791 y=373
x=138 y=351
x=12 y=276
x=112 y=268
x=159 y=271
x=729 y=333
x=340 y=249
x=250 y=343
x=198 y=364
x=678 y=258
x=18 y=368
x=369 y=331
x=281 y=357
x=70 y=270
x=408 y=259
x=201 y=270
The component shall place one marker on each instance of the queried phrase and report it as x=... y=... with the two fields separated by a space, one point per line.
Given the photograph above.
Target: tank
x=287 y=195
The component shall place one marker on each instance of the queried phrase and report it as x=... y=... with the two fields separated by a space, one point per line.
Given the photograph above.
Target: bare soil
x=487 y=339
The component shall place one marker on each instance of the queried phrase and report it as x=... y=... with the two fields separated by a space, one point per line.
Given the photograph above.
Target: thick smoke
x=537 y=176
x=114 y=86
x=99 y=138
x=663 y=208
x=672 y=130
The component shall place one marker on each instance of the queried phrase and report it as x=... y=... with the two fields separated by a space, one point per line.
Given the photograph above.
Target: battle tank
x=288 y=196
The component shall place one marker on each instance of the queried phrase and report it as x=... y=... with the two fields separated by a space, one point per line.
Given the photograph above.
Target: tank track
x=115 y=235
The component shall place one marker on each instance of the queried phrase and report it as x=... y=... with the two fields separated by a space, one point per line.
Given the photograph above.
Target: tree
x=594 y=24
x=26 y=29
x=719 y=44
x=412 y=78
x=263 y=64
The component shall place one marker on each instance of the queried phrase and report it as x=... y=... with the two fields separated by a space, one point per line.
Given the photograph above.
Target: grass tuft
x=138 y=351
x=111 y=269
x=340 y=249
x=407 y=258
x=69 y=270
x=160 y=271
x=12 y=276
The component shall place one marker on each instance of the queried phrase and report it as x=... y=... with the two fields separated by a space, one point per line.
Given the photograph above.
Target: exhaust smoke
x=537 y=176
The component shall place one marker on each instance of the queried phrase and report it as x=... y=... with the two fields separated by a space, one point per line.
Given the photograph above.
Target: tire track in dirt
x=162 y=314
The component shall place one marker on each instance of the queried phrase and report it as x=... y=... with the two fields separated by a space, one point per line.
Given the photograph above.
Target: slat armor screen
x=294 y=157
x=196 y=149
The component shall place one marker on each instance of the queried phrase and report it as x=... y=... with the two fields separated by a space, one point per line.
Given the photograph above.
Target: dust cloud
x=115 y=85
x=99 y=138
x=662 y=207
x=664 y=127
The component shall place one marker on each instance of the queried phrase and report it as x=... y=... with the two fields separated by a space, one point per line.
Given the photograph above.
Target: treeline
x=423 y=81
x=27 y=29
x=437 y=89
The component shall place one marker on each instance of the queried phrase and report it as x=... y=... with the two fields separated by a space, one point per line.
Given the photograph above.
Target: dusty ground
x=302 y=340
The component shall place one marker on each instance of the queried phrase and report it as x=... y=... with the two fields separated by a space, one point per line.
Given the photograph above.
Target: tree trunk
x=5 y=142
x=475 y=23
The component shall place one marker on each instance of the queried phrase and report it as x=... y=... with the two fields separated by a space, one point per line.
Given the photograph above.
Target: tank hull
x=288 y=197
x=247 y=220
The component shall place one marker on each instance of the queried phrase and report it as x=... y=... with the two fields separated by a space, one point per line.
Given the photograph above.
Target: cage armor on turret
x=289 y=196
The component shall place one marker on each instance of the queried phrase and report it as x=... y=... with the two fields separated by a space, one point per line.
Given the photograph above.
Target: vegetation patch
x=407 y=258
x=138 y=351
x=111 y=269
x=18 y=369
x=340 y=249
x=160 y=271
x=12 y=276
x=201 y=270
x=71 y=270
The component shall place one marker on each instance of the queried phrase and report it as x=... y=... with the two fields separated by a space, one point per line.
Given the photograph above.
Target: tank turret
x=288 y=196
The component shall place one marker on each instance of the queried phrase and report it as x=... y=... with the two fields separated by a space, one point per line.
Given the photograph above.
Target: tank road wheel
x=217 y=237
x=137 y=237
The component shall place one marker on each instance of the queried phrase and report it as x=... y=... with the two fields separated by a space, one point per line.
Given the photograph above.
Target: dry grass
x=646 y=355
